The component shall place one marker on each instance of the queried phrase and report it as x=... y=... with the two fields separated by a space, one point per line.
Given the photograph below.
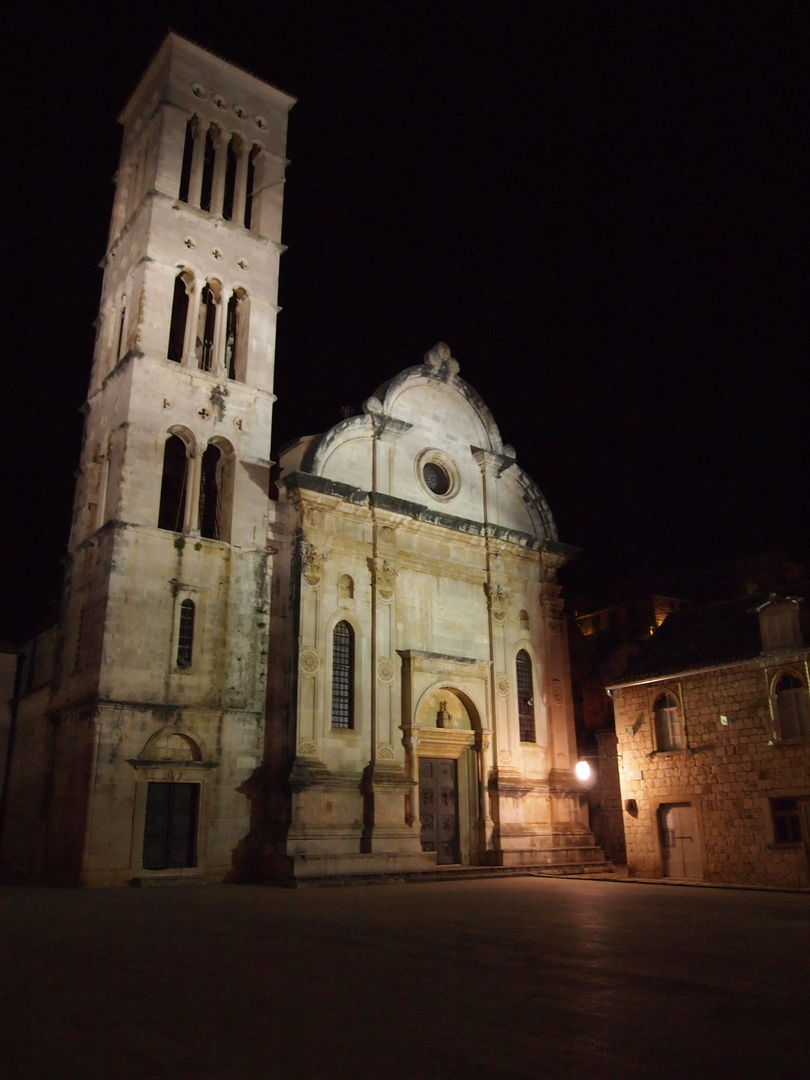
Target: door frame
x=676 y=797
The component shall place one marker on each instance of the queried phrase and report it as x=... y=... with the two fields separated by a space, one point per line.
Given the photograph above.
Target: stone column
x=192 y=319
x=199 y=130
x=221 y=140
x=240 y=187
x=310 y=662
x=191 y=522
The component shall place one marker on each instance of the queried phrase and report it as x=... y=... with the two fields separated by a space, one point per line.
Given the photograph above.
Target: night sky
x=601 y=207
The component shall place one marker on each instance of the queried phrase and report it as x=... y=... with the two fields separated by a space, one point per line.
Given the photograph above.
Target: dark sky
x=602 y=208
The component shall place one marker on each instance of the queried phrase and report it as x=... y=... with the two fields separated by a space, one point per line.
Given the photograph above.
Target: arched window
x=792 y=706
x=523 y=623
x=230 y=180
x=668 y=725
x=235 y=344
x=188 y=155
x=173 y=485
x=343 y=676
x=525 y=693
x=252 y=170
x=209 y=159
x=345 y=588
x=183 y=284
x=206 y=325
x=210 y=492
x=185 y=634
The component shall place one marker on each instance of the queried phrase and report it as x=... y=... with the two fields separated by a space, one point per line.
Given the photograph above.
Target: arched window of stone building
x=183 y=285
x=209 y=160
x=173 y=484
x=236 y=335
x=792 y=706
x=216 y=490
x=252 y=171
x=188 y=155
x=668 y=724
x=206 y=325
x=185 y=634
x=343 y=676
x=523 y=623
x=210 y=493
x=230 y=179
x=525 y=693
x=345 y=587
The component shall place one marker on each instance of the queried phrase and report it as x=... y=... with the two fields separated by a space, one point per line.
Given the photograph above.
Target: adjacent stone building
x=713 y=736
x=368 y=674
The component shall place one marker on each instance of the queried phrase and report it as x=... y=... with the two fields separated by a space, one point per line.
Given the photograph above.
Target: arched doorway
x=449 y=775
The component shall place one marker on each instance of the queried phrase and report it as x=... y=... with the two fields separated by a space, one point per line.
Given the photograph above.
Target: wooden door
x=170 y=829
x=679 y=841
x=438 y=808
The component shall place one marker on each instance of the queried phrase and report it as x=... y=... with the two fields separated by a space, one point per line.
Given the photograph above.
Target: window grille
x=185 y=637
x=343 y=676
x=525 y=692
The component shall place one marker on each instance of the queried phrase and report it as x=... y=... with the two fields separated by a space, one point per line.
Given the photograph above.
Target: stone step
x=456 y=873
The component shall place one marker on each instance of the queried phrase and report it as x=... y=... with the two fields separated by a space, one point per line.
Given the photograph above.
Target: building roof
x=700 y=637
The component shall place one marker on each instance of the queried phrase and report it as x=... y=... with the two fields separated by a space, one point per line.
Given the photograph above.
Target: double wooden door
x=438 y=808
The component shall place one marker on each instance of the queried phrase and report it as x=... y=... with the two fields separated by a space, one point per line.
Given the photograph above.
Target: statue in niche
x=443 y=717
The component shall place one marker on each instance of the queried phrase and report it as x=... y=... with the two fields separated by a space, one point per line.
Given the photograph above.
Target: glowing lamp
x=583 y=770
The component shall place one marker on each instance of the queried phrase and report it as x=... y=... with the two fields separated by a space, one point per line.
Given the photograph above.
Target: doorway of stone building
x=680 y=845
x=438 y=808
x=170 y=828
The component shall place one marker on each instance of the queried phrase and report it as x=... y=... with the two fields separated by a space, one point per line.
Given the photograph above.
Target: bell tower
x=158 y=707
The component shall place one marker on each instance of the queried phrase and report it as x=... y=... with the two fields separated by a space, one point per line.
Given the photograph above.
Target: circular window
x=436 y=478
x=437 y=474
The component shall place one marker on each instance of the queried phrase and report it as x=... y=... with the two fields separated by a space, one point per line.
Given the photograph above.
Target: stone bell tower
x=158 y=707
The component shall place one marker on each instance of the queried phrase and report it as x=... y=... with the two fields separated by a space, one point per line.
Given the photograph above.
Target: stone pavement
x=504 y=978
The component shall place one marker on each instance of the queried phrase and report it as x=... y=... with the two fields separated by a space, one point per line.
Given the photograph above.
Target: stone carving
x=556 y=692
x=443 y=717
x=313 y=516
x=498 y=597
x=504 y=758
x=385 y=752
x=307 y=749
x=554 y=627
x=385 y=579
x=190 y=242
x=203 y=413
x=501 y=684
x=217 y=399
x=385 y=670
x=313 y=564
x=309 y=661
x=440 y=360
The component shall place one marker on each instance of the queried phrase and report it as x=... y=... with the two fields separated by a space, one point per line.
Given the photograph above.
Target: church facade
x=368 y=674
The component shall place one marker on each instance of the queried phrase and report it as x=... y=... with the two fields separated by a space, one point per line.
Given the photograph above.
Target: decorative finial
x=441 y=360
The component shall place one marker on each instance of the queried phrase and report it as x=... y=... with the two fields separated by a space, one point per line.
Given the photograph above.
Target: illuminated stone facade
x=367 y=675
x=714 y=747
x=413 y=525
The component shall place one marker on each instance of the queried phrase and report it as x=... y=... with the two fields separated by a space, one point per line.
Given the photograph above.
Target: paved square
x=514 y=978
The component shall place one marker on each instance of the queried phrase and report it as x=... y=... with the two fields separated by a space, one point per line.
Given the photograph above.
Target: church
x=356 y=665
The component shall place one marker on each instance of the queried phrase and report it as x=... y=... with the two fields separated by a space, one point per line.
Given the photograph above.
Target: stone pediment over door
x=445 y=698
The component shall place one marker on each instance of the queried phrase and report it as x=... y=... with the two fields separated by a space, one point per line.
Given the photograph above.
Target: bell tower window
x=173 y=485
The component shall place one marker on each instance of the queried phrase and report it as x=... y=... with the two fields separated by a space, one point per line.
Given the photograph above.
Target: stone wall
x=732 y=766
